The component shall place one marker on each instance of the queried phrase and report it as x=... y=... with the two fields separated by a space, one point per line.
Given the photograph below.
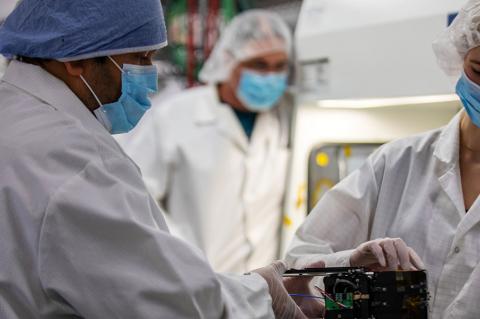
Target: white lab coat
x=79 y=235
x=221 y=192
x=410 y=189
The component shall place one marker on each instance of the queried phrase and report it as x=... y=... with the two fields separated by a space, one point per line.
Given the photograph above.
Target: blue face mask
x=138 y=81
x=469 y=93
x=261 y=92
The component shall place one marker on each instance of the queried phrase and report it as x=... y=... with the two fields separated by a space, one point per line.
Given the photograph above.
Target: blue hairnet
x=69 y=30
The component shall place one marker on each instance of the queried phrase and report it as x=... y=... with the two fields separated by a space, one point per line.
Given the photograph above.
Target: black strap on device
x=311 y=272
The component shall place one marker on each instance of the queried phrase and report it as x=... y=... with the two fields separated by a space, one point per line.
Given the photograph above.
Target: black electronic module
x=355 y=293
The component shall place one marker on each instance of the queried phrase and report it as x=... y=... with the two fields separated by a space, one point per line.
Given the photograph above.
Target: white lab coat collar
x=37 y=82
x=225 y=119
x=448 y=151
x=448 y=147
x=448 y=171
x=211 y=111
x=204 y=113
x=230 y=126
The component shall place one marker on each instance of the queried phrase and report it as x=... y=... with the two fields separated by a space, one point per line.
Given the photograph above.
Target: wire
x=306 y=296
x=330 y=297
x=343 y=281
x=324 y=295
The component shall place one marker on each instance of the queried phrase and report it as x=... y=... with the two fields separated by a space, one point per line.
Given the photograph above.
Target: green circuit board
x=345 y=299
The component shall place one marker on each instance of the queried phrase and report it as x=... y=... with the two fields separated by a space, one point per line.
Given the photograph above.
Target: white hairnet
x=459 y=38
x=250 y=34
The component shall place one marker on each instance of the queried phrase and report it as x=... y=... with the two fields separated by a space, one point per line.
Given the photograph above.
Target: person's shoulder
x=27 y=119
x=417 y=143
x=40 y=147
x=35 y=132
x=411 y=149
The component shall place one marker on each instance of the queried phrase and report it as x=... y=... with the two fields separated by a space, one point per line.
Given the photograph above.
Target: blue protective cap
x=69 y=30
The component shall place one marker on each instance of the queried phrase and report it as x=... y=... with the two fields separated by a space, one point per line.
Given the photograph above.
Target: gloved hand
x=386 y=254
x=283 y=305
x=311 y=307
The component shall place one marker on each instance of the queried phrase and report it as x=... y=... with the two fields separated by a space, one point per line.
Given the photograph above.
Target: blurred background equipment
x=330 y=163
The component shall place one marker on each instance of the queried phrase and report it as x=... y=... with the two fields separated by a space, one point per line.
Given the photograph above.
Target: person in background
x=80 y=237
x=216 y=156
x=414 y=204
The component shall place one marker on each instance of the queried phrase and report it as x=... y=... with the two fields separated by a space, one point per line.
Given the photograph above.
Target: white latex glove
x=283 y=305
x=386 y=254
x=311 y=307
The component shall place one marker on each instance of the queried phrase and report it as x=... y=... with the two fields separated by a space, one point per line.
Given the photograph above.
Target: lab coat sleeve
x=106 y=252
x=254 y=290
x=341 y=220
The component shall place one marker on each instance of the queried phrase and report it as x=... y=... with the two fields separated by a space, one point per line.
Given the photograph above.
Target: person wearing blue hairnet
x=80 y=237
x=415 y=202
x=219 y=169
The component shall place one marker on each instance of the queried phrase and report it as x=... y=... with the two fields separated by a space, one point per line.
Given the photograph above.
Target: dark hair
x=100 y=60
x=36 y=61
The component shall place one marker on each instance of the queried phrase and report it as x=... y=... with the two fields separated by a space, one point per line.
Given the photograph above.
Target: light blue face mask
x=261 y=92
x=138 y=81
x=469 y=93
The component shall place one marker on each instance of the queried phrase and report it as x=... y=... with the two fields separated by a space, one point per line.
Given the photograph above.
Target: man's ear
x=234 y=77
x=74 y=68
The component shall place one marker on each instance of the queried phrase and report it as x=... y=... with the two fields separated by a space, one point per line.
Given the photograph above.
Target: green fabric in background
x=177 y=26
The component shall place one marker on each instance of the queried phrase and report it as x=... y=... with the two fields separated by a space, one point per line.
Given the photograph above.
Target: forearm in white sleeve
x=339 y=222
x=105 y=252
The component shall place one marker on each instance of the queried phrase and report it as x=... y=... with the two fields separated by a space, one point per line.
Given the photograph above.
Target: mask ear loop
x=91 y=90
x=116 y=64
